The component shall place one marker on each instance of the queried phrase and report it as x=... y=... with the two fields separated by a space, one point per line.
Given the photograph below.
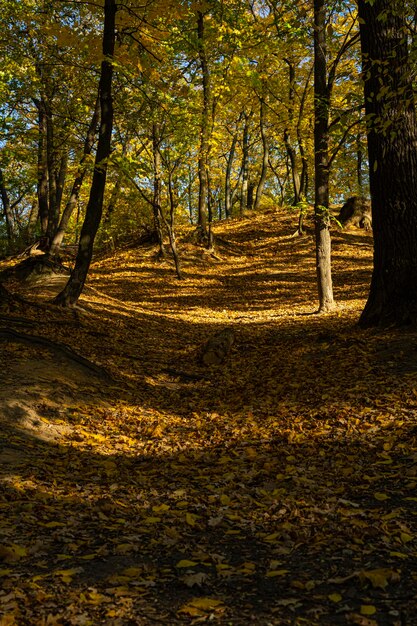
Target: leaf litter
x=277 y=488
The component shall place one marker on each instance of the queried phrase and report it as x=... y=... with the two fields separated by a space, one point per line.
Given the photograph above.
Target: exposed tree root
x=7 y=334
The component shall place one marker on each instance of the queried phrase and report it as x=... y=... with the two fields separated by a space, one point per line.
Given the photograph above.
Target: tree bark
x=78 y=181
x=204 y=131
x=321 y=160
x=245 y=165
x=156 y=203
x=7 y=209
x=392 y=141
x=42 y=168
x=265 y=155
x=72 y=291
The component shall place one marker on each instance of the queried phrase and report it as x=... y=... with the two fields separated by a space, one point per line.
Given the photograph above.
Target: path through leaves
x=278 y=488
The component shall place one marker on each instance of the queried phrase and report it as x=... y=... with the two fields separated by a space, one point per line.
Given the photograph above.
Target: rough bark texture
x=392 y=141
x=321 y=160
x=72 y=291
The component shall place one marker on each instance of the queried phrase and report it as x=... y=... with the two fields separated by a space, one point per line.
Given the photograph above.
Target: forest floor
x=278 y=488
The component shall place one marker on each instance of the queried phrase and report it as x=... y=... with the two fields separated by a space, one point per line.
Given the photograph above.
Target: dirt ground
x=278 y=488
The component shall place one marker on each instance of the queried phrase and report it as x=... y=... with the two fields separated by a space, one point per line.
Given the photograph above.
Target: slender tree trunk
x=359 y=163
x=42 y=168
x=292 y=155
x=7 y=210
x=321 y=160
x=204 y=130
x=227 y=186
x=392 y=147
x=33 y=218
x=245 y=165
x=70 y=294
x=78 y=181
x=171 y=226
x=265 y=155
x=53 y=217
x=156 y=203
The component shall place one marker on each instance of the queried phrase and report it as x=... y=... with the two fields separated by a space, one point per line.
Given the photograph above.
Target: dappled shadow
x=269 y=485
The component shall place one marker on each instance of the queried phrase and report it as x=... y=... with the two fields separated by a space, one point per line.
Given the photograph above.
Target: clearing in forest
x=278 y=487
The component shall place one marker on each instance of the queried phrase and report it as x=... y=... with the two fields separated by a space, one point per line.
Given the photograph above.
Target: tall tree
x=392 y=148
x=73 y=289
x=321 y=160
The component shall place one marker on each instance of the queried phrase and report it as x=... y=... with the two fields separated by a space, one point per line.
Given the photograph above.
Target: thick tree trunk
x=321 y=160
x=72 y=291
x=392 y=141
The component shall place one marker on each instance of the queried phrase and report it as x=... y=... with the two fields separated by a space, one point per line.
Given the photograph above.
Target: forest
x=208 y=306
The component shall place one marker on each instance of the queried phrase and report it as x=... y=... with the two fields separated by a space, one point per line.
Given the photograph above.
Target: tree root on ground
x=7 y=334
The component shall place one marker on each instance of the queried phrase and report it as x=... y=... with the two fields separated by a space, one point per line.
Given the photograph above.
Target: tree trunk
x=245 y=165
x=53 y=216
x=171 y=226
x=42 y=168
x=265 y=155
x=76 y=186
x=7 y=210
x=321 y=160
x=204 y=131
x=227 y=186
x=392 y=141
x=72 y=291
x=156 y=203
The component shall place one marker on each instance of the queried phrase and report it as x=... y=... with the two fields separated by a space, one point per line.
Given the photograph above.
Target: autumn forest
x=208 y=307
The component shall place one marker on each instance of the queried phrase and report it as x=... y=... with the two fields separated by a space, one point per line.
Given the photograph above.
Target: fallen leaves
x=280 y=487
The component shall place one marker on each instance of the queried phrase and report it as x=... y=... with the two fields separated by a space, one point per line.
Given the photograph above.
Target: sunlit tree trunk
x=321 y=160
x=72 y=291
x=392 y=147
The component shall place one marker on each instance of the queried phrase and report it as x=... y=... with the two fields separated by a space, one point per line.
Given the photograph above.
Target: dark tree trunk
x=171 y=226
x=76 y=186
x=204 y=131
x=321 y=160
x=42 y=168
x=53 y=214
x=72 y=291
x=245 y=165
x=292 y=156
x=392 y=141
x=7 y=210
x=156 y=203
x=227 y=186
x=265 y=155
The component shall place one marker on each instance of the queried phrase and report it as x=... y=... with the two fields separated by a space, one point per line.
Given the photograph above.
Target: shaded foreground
x=279 y=488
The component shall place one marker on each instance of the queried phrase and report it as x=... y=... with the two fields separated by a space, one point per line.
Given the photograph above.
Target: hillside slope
x=276 y=488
